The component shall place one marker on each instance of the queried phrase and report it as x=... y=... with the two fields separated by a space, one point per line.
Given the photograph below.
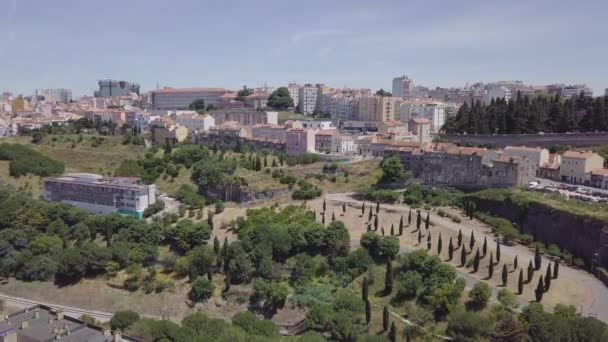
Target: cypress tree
x=227 y=282
x=333 y=216
x=369 y=216
x=418 y=221
x=450 y=249
x=377 y=207
x=497 y=251
x=343 y=208
x=419 y=236
x=484 y=248
x=382 y=230
x=392 y=334
x=515 y=263
x=376 y=223
x=216 y=246
x=364 y=289
x=324 y=205
x=555 y=269
x=530 y=272
x=491 y=266
x=459 y=241
x=537 y=258
x=323 y=218
x=504 y=275
x=369 y=227
x=392 y=229
x=548 y=276
x=368 y=312
x=409 y=217
x=476 y=261
x=427 y=222
x=388 y=279
x=314 y=214
x=439 y=244
x=428 y=241
x=540 y=289
x=472 y=241
x=385 y=318
x=520 y=281
x=463 y=256
x=362 y=209
x=401 y=226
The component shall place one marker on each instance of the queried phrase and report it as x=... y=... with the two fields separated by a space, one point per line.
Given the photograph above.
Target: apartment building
x=105 y=115
x=403 y=87
x=245 y=117
x=168 y=133
x=112 y=88
x=538 y=156
x=58 y=95
x=344 y=144
x=268 y=131
x=324 y=140
x=294 y=93
x=195 y=121
x=99 y=195
x=257 y=100
x=376 y=109
x=391 y=127
x=494 y=92
x=300 y=141
x=181 y=98
x=308 y=96
x=550 y=169
x=599 y=178
x=430 y=109
x=421 y=128
x=577 y=165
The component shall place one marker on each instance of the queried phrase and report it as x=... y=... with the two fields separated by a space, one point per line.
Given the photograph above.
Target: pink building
x=300 y=141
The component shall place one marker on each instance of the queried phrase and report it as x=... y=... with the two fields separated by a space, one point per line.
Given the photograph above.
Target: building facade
x=403 y=87
x=98 y=195
x=112 y=88
x=376 y=109
x=245 y=117
x=181 y=98
x=577 y=165
x=300 y=141
x=307 y=97
x=195 y=122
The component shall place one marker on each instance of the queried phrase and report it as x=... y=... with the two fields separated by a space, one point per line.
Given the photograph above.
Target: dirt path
x=573 y=286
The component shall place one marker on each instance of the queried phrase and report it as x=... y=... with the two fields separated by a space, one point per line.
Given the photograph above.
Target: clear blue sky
x=73 y=43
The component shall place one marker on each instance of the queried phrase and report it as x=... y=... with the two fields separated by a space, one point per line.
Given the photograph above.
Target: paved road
x=597 y=292
x=68 y=310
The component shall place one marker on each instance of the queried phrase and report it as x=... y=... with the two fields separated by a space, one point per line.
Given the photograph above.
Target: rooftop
x=579 y=154
x=189 y=90
x=523 y=148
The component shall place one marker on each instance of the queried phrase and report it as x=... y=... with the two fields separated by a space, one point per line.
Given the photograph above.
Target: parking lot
x=572 y=191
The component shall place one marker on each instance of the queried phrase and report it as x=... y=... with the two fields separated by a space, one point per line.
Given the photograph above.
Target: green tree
x=556 y=269
x=515 y=263
x=392 y=170
x=491 y=266
x=121 y=320
x=507 y=298
x=468 y=326
x=476 y=261
x=450 y=249
x=463 y=256
x=271 y=294
x=504 y=275
x=243 y=93
x=202 y=289
x=530 y=272
x=197 y=105
x=368 y=311
x=392 y=334
x=520 y=282
x=548 y=276
x=385 y=318
x=459 y=241
x=280 y=99
x=427 y=222
x=480 y=295
x=388 y=279
x=497 y=251
x=472 y=240
x=401 y=226
x=439 y=244
x=365 y=289
x=383 y=93
x=537 y=259
x=540 y=289
x=484 y=248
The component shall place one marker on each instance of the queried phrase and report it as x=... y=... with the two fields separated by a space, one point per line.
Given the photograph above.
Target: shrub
x=480 y=295
x=202 y=289
x=123 y=319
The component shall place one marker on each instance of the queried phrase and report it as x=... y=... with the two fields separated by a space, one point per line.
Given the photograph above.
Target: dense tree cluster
x=531 y=115
x=41 y=240
x=280 y=99
x=24 y=160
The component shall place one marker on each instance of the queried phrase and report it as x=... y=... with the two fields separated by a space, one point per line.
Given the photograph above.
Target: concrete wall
x=542 y=140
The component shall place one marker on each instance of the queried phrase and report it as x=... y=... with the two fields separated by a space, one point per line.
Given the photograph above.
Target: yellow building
x=18 y=105
x=376 y=108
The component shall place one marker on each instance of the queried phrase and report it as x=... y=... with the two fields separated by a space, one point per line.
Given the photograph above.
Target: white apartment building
x=181 y=98
x=403 y=87
x=308 y=95
x=294 y=93
x=344 y=144
x=195 y=122
x=536 y=155
x=317 y=124
x=430 y=109
x=496 y=92
x=58 y=95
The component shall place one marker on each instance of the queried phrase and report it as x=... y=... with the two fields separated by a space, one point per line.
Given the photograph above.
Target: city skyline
x=186 y=44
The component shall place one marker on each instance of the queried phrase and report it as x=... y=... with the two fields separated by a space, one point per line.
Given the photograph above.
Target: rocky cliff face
x=583 y=236
x=240 y=193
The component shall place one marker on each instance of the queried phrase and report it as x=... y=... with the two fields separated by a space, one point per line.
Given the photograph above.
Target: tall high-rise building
x=308 y=95
x=58 y=95
x=111 y=88
x=376 y=108
x=403 y=87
